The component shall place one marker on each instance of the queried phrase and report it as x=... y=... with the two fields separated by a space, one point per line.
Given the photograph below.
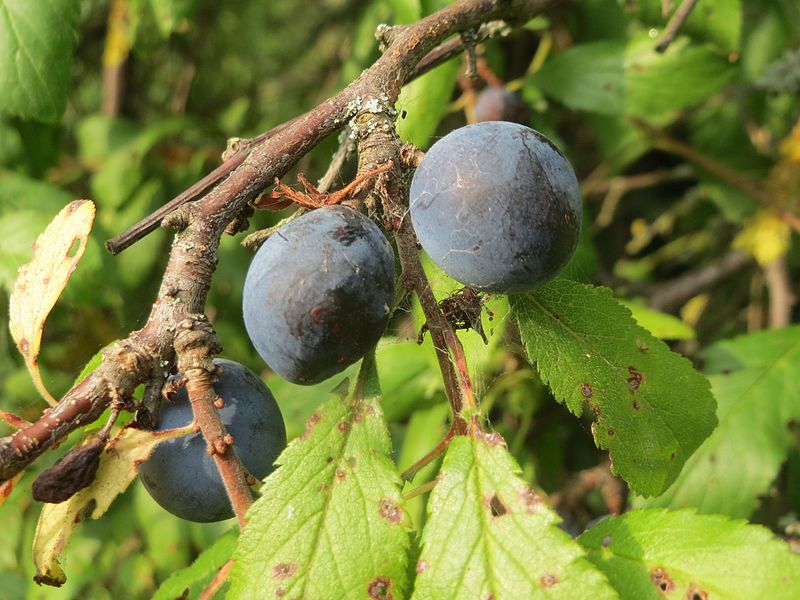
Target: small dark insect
x=462 y=310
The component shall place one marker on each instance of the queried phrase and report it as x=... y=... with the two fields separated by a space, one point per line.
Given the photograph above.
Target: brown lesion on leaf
x=696 y=593
x=635 y=379
x=662 y=581
x=343 y=426
x=496 y=506
x=380 y=588
x=531 y=499
x=548 y=580
x=390 y=511
x=284 y=570
x=422 y=566
x=587 y=391
x=310 y=423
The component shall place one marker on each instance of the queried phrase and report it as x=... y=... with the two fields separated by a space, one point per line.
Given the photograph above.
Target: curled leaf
x=115 y=472
x=39 y=284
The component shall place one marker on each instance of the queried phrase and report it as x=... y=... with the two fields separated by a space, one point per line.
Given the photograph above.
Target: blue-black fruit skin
x=183 y=478
x=497 y=207
x=318 y=294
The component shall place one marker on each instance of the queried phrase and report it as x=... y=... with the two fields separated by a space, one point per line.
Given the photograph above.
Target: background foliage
x=685 y=159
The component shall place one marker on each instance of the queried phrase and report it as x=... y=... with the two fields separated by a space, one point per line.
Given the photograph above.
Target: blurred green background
x=647 y=134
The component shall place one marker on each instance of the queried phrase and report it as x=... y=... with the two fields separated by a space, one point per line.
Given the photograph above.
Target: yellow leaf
x=39 y=283
x=116 y=472
x=766 y=236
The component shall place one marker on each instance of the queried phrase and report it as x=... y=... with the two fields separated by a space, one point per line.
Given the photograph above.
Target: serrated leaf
x=489 y=535
x=632 y=79
x=189 y=582
x=652 y=409
x=36 y=43
x=330 y=522
x=655 y=554
x=56 y=254
x=754 y=379
x=116 y=471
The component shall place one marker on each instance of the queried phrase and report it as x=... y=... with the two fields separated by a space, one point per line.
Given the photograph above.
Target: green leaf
x=423 y=103
x=633 y=79
x=36 y=43
x=655 y=554
x=652 y=409
x=753 y=378
x=661 y=325
x=330 y=522
x=490 y=536
x=405 y=11
x=189 y=582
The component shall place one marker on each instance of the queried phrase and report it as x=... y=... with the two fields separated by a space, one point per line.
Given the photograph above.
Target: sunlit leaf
x=655 y=554
x=330 y=522
x=652 y=409
x=490 y=536
x=57 y=252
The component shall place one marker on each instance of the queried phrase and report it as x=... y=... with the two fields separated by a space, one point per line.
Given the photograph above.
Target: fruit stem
x=437 y=451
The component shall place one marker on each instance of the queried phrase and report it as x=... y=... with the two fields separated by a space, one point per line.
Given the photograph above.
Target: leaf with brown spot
x=658 y=407
x=331 y=521
x=655 y=553
x=39 y=284
x=488 y=535
x=117 y=469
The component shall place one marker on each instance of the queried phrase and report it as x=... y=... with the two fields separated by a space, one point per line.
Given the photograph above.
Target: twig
x=193 y=255
x=672 y=294
x=195 y=344
x=418 y=491
x=781 y=298
x=217 y=582
x=595 y=478
x=663 y=141
x=151 y=222
x=423 y=462
x=115 y=55
x=674 y=24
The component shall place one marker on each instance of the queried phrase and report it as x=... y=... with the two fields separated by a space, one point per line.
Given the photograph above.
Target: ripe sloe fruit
x=318 y=294
x=183 y=478
x=496 y=206
x=495 y=103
